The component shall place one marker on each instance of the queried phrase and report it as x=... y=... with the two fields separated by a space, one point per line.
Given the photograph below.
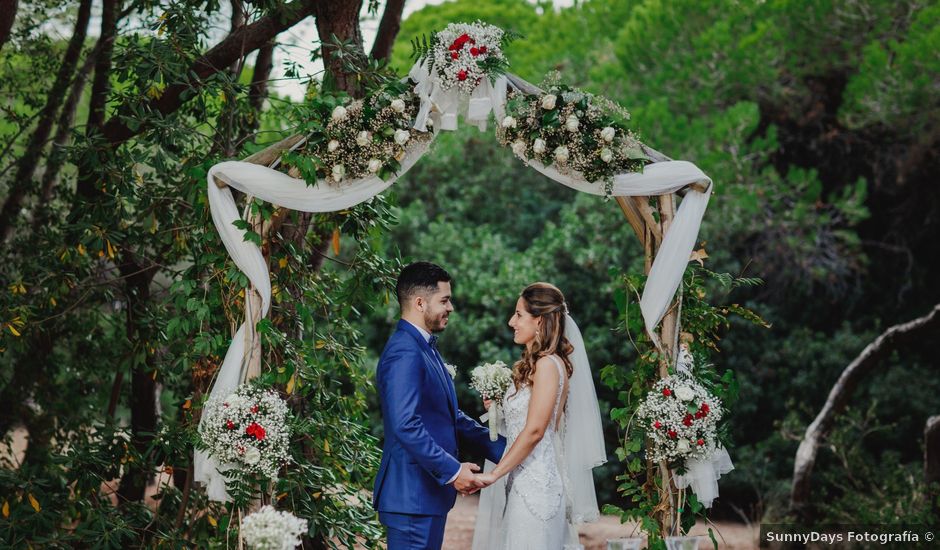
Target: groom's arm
x=399 y=379
x=479 y=437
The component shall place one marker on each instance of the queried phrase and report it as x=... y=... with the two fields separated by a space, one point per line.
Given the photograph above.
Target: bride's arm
x=541 y=405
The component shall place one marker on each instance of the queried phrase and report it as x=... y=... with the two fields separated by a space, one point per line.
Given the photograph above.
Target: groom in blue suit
x=420 y=475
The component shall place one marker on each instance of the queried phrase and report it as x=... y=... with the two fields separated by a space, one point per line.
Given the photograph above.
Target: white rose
x=682 y=445
x=339 y=114
x=252 y=456
x=561 y=154
x=538 y=146
x=398 y=105
x=338 y=172
x=402 y=136
x=518 y=147
x=607 y=134
x=363 y=138
x=685 y=393
x=332 y=145
x=375 y=165
x=571 y=123
x=548 y=102
x=606 y=155
x=508 y=122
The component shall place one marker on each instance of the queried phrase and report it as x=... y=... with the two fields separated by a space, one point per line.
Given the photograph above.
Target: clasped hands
x=469 y=481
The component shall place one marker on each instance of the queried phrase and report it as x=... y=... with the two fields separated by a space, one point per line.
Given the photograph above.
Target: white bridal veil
x=580 y=448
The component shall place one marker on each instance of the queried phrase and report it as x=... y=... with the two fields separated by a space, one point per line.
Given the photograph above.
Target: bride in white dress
x=543 y=485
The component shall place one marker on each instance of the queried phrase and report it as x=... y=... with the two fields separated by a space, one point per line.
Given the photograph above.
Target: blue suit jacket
x=422 y=426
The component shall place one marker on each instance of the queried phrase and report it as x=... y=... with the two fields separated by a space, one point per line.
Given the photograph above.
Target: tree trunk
x=27 y=163
x=257 y=92
x=889 y=341
x=143 y=383
x=338 y=21
x=932 y=461
x=7 y=16
x=388 y=29
x=57 y=155
x=88 y=169
x=227 y=125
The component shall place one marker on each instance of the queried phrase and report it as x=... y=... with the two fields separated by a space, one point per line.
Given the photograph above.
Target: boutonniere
x=451 y=370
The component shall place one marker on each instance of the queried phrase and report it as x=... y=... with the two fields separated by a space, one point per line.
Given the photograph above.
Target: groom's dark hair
x=419 y=277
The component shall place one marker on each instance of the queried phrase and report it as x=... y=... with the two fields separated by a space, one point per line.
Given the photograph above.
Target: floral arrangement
x=268 y=529
x=451 y=370
x=464 y=53
x=579 y=133
x=352 y=139
x=249 y=428
x=681 y=418
x=492 y=380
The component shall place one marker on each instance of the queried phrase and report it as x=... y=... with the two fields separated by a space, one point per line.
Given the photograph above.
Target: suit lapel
x=432 y=363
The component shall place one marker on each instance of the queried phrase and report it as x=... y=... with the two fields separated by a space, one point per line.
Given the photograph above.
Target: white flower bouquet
x=268 y=529
x=681 y=418
x=492 y=380
x=248 y=428
x=462 y=54
x=352 y=139
x=575 y=131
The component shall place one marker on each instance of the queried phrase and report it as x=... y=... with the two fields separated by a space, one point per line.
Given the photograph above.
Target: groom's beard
x=436 y=323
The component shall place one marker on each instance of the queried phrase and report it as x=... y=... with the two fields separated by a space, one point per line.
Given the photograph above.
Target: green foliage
x=639 y=483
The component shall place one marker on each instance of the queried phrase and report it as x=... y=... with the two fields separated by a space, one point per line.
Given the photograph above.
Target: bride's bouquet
x=492 y=380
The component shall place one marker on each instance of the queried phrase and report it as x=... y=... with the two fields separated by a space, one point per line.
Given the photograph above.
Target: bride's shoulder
x=547 y=363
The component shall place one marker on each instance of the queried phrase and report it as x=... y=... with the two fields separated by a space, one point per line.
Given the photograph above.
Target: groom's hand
x=466 y=482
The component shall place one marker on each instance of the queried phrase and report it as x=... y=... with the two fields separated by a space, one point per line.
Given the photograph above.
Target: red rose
x=255 y=429
x=672 y=434
x=461 y=75
x=474 y=51
x=701 y=442
x=657 y=424
x=667 y=392
x=704 y=409
x=482 y=49
x=454 y=55
x=699 y=414
x=229 y=425
x=687 y=420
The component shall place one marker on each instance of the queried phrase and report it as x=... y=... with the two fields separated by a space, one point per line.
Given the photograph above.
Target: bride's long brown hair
x=543 y=300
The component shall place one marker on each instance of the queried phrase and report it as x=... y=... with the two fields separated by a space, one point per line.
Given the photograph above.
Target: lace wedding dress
x=539 y=503
x=535 y=491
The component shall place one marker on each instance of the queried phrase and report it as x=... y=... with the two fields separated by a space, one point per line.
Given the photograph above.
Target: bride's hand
x=487 y=403
x=486 y=479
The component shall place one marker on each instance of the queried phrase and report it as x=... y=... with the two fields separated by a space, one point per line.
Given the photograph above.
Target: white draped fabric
x=657 y=179
x=443 y=107
x=280 y=189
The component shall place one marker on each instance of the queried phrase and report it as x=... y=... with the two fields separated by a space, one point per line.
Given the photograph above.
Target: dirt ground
x=594 y=536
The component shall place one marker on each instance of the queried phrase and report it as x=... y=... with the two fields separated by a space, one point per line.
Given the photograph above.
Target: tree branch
x=246 y=39
x=388 y=29
x=841 y=392
x=26 y=165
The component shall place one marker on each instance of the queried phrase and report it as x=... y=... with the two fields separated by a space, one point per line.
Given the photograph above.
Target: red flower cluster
x=457 y=44
x=687 y=420
x=667 y=392
x=460 y=41
x=254 y=409
x=702 y=411
x=229 y=424
x=255 y=430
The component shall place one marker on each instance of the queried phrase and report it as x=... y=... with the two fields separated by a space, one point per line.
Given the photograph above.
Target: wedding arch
x=443 y=92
